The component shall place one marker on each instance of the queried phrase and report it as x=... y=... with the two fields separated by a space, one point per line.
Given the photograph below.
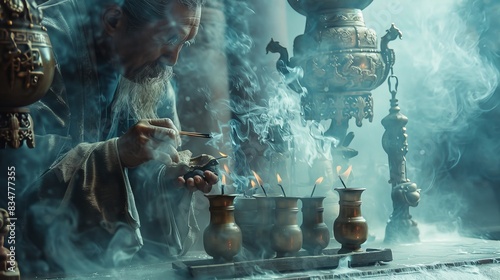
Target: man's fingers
x=149 y=139
x=210 y=177
x=164 y=129
x=191 y=185
x=162 y=133
x=167 y=123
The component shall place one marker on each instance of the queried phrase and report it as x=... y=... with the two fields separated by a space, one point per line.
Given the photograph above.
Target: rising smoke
x=448 y=73
x=447 y=64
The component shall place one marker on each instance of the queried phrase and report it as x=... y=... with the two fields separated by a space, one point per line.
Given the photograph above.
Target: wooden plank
x=303 y=262
x=217 y=270
x=371 y=257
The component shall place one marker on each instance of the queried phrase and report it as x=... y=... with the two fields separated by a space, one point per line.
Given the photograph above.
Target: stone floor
x=439 y=257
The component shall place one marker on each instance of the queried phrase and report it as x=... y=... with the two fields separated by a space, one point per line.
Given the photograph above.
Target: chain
x=394 y=90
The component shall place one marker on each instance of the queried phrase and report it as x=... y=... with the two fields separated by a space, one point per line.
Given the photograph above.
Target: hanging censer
x=27 y=69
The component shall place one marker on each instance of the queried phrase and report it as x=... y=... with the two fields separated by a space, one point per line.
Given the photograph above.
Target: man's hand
x=197 y=182
x=156 y=139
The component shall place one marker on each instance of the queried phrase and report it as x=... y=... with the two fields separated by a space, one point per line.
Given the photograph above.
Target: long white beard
x=139 y=99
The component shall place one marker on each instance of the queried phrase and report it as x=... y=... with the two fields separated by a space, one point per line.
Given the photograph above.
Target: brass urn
x=340 y=59
x=350 y=228
x=27 y=69
x=255 y=217
x=286 y=235
x=245 y=210
x=222 y=238
x=316 y=235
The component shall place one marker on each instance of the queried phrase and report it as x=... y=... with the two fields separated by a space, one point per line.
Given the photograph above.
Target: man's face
x=146 y=51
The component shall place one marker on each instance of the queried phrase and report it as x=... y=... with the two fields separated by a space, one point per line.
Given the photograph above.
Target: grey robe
x=86 y=209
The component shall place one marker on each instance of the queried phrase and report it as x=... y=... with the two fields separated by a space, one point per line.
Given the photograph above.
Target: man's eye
x=172 y=40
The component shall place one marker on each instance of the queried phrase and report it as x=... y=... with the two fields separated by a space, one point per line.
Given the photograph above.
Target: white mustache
x=150 y=73
x=140 y=97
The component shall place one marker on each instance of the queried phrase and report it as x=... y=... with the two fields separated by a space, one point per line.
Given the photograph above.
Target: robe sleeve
x=167 y=214
x=91 y=179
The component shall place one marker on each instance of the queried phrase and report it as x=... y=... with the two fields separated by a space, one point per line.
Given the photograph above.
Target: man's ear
x=113 y=19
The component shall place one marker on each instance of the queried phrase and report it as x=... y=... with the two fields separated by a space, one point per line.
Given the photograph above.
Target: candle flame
x=223 y=179
x=252 y=183
x=346 y=174
x=278 y=177
x=319 y=180
x=259 y=180
x=226 y=168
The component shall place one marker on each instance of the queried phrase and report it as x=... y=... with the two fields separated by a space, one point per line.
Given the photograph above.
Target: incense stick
x=221 y=157
x=195 y=134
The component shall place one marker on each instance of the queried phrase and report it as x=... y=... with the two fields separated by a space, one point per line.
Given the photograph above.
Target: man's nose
x=171 y=55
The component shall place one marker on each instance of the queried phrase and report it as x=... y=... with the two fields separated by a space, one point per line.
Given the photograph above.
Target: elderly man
x=116 y=179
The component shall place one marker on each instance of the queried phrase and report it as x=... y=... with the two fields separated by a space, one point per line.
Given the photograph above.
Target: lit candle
x=279 y=183
x=345 y=174
x=318 y=181
x=259 y=180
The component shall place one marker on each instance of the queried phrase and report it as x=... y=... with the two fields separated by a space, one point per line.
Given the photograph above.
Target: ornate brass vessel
x=222 y=237
x=286 y=235
x=340 y=59
x=350 y=228
x=27 y=69
x=316 y=235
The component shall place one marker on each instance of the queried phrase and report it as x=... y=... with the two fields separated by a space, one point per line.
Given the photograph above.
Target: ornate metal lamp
x=400 y=228
x=342 y=65
x=27 y=69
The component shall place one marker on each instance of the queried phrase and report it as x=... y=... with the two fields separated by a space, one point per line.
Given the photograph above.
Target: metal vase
x=222 y=238
x=286 y=235
x=350 y=228
x=255 y=217
x=316 y=235
x=245 y=211
x=264 y=223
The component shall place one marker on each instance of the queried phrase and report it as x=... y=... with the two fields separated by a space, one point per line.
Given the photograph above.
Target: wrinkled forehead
x=176 y=12
x=179 y=16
